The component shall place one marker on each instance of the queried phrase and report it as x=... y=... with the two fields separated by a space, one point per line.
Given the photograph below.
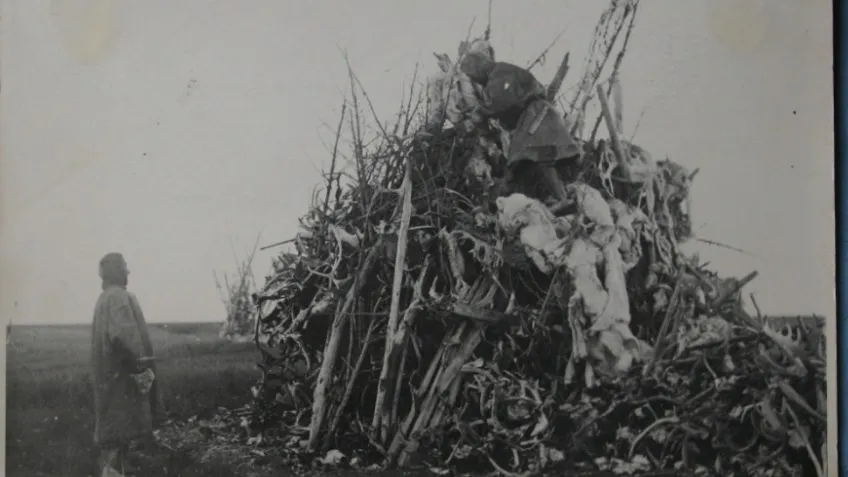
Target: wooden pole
x=551 y=93
x=605 y=109
x=559 y=77
x=331 y=349
x=394 y=310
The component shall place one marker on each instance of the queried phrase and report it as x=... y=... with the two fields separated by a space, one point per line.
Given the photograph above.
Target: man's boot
x=108 y=463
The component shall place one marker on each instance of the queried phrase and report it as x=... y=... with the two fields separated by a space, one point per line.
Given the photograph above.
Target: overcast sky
x=164 y=129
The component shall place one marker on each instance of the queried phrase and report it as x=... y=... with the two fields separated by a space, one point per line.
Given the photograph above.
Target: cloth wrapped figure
x=540 y=135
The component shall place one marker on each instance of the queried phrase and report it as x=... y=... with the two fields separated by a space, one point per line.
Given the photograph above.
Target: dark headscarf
x=477 y=66
x=113 y=270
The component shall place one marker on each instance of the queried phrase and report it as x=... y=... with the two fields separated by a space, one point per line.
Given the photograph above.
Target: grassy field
x=49 y=402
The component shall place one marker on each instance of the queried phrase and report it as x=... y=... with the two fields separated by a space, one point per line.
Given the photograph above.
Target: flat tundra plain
x=49 y=413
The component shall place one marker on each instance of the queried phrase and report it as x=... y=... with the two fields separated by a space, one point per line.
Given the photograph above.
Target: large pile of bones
x=427 y=316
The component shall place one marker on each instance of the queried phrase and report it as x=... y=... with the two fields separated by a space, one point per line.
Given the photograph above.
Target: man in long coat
x=122 y=368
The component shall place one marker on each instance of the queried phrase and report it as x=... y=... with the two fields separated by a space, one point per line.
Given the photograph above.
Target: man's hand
x=144 y=381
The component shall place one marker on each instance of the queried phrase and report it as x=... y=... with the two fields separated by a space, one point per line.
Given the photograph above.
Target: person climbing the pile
x=126 y=396
x=540 y=137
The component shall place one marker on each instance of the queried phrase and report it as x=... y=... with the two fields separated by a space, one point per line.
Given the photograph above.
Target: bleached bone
x=432 y=293
x=445 y=62
x=503 y=135
x=607 y=163
x=617 y=309
x=478 y=167
x=490 y=147
x=630 y=222
x=456 y=262
x=484 y=253
x=626 y=216
x=344 y=236
x=638 y=166
x=485 y=299
x=453 y=96
x=575 y=319
x=783 y=335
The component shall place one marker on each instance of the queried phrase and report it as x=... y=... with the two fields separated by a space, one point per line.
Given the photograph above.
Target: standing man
x=125 y=393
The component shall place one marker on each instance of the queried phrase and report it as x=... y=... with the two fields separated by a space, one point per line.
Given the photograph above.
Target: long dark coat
x=513 y=96
x=119 y=339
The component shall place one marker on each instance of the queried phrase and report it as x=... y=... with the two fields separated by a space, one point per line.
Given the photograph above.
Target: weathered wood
x=349 y=387
x=394 y=310
x=559 y=77
x=463 y=310
x=424 y=387
x=442 y=384
x=332 y=347
x=610 y=122
x=723 y=297
x=551 y=93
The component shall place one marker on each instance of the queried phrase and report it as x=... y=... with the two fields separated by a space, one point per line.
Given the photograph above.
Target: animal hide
x=612 y=346
x=539 y=230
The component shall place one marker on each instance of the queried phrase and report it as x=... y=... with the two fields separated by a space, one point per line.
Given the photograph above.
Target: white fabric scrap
x=591 y=203
x=452 y=93
x=537 y=228
x=333 y=457
x=605 y=304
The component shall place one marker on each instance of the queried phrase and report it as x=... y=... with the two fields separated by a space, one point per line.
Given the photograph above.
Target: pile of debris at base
x=433 y=316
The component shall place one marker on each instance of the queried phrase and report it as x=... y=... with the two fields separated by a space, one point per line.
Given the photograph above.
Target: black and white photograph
x=477 y=238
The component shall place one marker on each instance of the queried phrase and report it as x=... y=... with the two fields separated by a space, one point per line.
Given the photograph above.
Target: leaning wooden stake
x=349 y=387
x=726 y=294
x=394 y=311
x=332 y=348
x=605 y=109
x=423 y=389
x=400 y=340
x=559 y=77
x=551 y=93
x=450 y=371
x=618 y=100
